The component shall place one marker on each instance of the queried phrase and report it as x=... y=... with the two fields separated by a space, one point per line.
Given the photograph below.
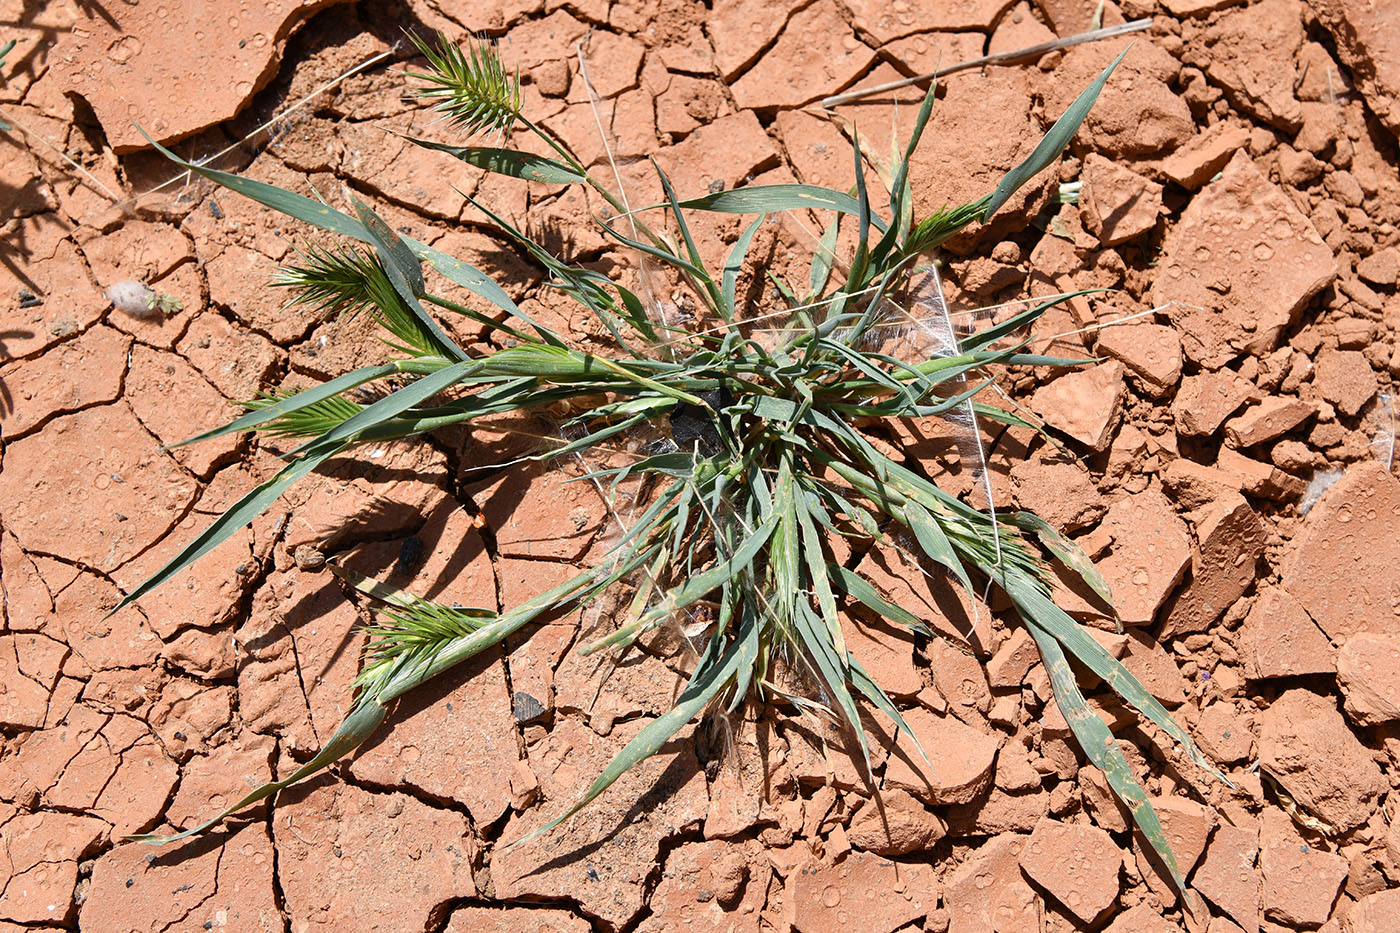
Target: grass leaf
x=1037 y=607
x=363 y=720
x=1052 y=144
x=327 y=218
x=510 y=162
x=823 y=257
x=290 y=404
x=857 y=587
x=309 y=456
x=406 y=275
x=735 y=263
x=934 y=543
x=716 y=667
x=833 y=670
x=765 y=199
x=1065 y=551
x=1102 y=749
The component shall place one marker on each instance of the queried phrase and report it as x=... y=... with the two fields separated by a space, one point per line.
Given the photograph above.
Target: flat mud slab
x=1226 y=462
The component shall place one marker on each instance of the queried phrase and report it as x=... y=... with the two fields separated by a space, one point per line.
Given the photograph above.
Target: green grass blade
x=1052 y=144
x=1039 y=609
x=729 y=279
x=861 y=260
x=765 y=199
x=656 y=252
x=988 y=335
x=253 y=503
x=822 y=260
x=706 y=582
x=480 y=284
x=399 y=262
x=1002 y=416
x=510 y=162
x=814 y=637
x=783 y=553
x=703 y=277
x=746 y=669
x=406 y=274
x=292 y=403
x=279 y=199
x=635 y=313
x=900 y=191
x=859 y=588
x=1102 y=749
x=875 y=374
x=867 y=687
x=839 y=504
x=364 y=718
x=715 y=668
x=815 y=559
x=934 y=543
x=331 y=220
x=310 y=456
x=1065 y=551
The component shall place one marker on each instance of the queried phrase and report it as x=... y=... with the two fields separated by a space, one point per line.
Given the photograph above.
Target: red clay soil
x=1231 y=478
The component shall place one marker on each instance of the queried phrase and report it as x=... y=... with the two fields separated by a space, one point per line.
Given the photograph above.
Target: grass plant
x=4 y=51
x=765 y=463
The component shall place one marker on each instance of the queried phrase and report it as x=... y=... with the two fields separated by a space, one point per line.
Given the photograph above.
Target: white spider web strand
x=926 y=331
x=656 y=309
x=930 y=310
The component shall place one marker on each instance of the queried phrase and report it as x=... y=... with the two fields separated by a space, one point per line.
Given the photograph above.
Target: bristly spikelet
x=331 y=282
x=469 y=85
x=938 y=227
x=350 y=280
x=411 y=632
x=307 y=421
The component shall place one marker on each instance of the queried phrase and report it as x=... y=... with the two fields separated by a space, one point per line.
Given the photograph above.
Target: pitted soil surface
x=1226 y=463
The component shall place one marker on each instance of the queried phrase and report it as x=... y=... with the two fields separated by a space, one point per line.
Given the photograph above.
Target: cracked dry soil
x=1239 y=174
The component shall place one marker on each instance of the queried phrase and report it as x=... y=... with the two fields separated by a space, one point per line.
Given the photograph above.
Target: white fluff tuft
x=135 y=299
x=1320 y=483
x=1382 y=421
